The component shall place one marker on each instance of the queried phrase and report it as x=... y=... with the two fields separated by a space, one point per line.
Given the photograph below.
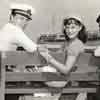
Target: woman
x=75 y=35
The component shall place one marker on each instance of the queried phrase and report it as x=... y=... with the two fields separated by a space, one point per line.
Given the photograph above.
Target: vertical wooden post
x=2 y=78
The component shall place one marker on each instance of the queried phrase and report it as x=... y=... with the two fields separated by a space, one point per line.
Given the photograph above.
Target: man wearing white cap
x=12 y=34
x=97 y=54
x=97 y=51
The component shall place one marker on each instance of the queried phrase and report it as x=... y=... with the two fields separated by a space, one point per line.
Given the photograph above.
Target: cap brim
x=25 y=15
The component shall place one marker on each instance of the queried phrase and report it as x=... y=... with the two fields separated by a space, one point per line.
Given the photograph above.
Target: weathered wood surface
x=87 y=71
x=45 y=90
x=47 y=76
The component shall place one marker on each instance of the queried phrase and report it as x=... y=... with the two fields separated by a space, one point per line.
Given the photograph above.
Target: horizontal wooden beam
x=47 y=76
x=45 y=90
x=23 y=58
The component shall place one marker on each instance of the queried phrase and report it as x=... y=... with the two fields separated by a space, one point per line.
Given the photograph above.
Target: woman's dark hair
x=82 y=33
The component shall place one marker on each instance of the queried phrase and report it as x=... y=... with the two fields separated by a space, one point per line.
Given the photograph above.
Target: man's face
x=20 y=20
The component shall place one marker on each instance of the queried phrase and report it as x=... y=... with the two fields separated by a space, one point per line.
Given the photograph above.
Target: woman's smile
x=72 y=30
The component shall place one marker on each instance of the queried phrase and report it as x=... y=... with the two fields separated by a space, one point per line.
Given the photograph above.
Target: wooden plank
x=23 y=58
x=2 y=79
x=45 y=90
x=20 y=58
x=47 y=76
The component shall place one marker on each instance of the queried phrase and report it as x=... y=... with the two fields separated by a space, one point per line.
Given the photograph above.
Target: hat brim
x=25 y=15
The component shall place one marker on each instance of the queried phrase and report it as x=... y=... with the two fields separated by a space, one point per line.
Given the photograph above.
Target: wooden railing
x=86 y=73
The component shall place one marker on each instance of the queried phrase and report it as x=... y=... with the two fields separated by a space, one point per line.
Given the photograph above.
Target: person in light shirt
x=97 y=54
x=97 y=50
x=12 y=34
x=75 y=35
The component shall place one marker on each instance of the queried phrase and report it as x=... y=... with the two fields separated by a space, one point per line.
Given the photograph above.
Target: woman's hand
x=44 y=52
x=47 y=56
x=42 y=48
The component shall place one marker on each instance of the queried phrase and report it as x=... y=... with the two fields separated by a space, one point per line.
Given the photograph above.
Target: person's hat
x=98 y=19
x=22 y=9
x=73 y=16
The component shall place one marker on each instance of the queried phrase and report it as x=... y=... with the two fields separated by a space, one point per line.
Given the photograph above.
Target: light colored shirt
x=12 y=36
x=97 y=51
x=73 y=48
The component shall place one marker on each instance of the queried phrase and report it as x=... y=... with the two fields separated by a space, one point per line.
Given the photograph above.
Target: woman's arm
x=72 y=54
x=65 y=69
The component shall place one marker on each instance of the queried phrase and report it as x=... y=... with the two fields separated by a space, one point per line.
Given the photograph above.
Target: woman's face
x=72 y=30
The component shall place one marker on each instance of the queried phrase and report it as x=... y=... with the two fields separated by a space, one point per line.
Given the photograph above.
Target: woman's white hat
x=75 y=16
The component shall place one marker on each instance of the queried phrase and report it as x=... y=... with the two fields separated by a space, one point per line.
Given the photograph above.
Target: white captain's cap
x=22 y=9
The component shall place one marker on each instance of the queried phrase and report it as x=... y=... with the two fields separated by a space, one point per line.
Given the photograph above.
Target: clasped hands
x=43 y=50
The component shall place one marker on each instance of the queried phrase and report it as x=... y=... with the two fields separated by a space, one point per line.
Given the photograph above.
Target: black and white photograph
x=50 y=50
